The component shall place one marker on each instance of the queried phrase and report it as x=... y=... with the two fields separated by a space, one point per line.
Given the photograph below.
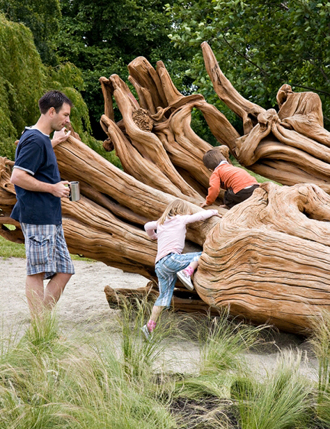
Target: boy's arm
x=213 y=190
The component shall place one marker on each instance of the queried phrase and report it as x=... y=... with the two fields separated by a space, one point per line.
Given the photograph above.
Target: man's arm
x=25 y=181
x=60 y=137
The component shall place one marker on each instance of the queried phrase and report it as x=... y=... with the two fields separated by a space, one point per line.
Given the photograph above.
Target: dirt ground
x=84 y=306
x=83 y=302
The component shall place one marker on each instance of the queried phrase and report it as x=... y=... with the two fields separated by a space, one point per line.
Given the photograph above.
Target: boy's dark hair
x=54 y=99
x=213 y=157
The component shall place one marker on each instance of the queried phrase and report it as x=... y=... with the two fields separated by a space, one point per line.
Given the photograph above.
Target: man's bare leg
x=55 y=288
x=34 y=290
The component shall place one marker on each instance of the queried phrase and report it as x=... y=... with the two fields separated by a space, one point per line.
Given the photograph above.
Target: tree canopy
x=23 y=80
x=43 y=19
x=259 y=45
x=102 y=38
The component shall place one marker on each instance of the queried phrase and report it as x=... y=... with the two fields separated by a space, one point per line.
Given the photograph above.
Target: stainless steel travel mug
x=74 y=191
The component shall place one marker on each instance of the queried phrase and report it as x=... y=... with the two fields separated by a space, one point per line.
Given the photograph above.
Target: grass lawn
x=9 y=249
x=260 y=179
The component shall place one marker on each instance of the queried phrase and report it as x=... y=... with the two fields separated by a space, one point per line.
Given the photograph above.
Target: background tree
x=101 y=38
x=259 y=46
x=43 y=19
x=23 y=80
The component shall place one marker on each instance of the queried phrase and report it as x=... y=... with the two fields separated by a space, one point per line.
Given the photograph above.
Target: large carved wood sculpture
x=289 y=146
x=268 y=258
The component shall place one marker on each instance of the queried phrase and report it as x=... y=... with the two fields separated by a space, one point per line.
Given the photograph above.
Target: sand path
x=83 y=305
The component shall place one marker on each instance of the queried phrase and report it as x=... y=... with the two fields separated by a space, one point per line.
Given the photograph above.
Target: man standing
x=39 y=190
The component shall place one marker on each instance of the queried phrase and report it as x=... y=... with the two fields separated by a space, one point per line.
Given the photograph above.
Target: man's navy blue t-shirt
x=35 y=155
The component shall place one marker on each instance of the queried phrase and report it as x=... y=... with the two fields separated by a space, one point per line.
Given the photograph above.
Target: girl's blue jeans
x=166 y=269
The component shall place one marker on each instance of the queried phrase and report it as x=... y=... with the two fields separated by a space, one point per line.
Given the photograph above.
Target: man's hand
x=203 y=204
x=24 y=180
x=60 y=136
x=61 y=189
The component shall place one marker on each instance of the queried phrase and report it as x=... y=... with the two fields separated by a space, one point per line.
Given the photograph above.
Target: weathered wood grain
x=267 y=259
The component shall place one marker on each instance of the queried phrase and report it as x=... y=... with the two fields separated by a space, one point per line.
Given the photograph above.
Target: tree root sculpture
x=267 y=259
x=183 y=300
x=289 y=146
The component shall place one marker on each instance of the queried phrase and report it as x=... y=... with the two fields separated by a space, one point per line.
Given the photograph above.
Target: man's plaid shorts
x=46 y=250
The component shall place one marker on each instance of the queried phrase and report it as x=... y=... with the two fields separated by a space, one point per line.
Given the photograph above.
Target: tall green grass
x=320 y=341
x=223 y=343
x=281 y=401
x=48 y=380
x=222 y=367
x=138 y=355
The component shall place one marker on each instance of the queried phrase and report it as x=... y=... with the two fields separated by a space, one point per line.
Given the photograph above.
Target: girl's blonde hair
x=176 y=207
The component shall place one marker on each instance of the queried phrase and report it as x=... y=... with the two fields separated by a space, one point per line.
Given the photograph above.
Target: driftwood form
x=267 y=258
x=183 y=300
x=107 y=223
x=289 y=146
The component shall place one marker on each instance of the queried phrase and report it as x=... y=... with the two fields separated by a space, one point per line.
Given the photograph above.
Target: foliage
x=321 y=345
x=42 y=18
x=138 y=356
x=224 y=342
x=21 y=77
x=48 y=381
x=86 y=381
x=24 y=79
x=259 y=46
x=222 y=369
x=102 y=38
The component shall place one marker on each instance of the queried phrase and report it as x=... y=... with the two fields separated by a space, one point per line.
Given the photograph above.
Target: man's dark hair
x=54 y=99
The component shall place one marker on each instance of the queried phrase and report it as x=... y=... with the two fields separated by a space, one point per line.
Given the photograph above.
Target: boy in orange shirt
x=238 y=183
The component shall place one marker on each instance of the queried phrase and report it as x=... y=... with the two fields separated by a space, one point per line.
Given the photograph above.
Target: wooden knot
x=142 y=119
x=268 y=116
x=108 y=145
